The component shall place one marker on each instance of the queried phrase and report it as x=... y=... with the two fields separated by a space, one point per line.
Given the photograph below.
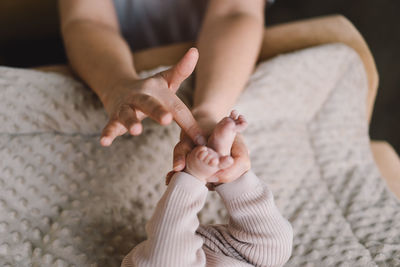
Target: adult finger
x=168 y=177
x=113 y=129
x=238 y=168
x=152 y=108
x=225 y=162
x=241 y=164
x=183 y=116
x=239 y=147
x=181 y=150
x=178 y=73
x=127 y=116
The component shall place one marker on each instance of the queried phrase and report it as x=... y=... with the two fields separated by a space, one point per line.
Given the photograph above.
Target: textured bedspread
x=65 y=200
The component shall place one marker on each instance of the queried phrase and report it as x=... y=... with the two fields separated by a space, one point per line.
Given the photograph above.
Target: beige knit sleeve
x=256 y=231
x=171 y=239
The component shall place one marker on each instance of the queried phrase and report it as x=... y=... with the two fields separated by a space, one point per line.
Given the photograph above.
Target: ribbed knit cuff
x=188 y=183
x=246 y=183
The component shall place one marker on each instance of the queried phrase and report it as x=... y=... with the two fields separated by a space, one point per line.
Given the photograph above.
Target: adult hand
x=239 y=153
x=131 y=101
x=241 y=157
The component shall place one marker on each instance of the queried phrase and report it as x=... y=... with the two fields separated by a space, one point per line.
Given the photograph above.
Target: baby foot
x=224 y=133
x=202 y=162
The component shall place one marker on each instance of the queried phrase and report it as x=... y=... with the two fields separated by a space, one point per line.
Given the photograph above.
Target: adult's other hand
x=239 y=153
x=130 y=101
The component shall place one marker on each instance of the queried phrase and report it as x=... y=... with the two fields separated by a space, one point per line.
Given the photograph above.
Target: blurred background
x=29 y=36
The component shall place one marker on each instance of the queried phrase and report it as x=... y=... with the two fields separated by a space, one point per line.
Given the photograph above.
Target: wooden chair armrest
x=388 y=163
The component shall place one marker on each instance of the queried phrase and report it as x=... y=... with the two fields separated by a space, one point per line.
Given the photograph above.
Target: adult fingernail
x=105 y=141
x=178 y=168
x=200 y=140
x=178 y=165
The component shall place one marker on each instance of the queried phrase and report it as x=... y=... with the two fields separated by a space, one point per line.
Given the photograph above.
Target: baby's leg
x=224 y=133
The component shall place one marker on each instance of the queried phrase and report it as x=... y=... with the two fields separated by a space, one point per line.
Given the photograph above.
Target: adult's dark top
x=150 y=23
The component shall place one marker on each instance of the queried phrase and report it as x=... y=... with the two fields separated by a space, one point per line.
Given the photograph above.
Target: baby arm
x=256 y=229
x=171 y=230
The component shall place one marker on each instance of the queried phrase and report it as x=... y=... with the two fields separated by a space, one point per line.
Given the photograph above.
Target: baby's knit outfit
x=256 y=234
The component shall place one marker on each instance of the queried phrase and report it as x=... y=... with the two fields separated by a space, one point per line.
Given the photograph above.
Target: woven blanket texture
x=67 y=201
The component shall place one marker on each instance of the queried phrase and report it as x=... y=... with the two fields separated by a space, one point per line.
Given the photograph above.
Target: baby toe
x=241 y=123
x=241 y=119
x=202 y=155
x=208 y=158
x=200 y=149
x=234 y=114
x=213 y=162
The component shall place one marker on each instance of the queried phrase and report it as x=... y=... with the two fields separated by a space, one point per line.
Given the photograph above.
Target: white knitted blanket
x=67 y=201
